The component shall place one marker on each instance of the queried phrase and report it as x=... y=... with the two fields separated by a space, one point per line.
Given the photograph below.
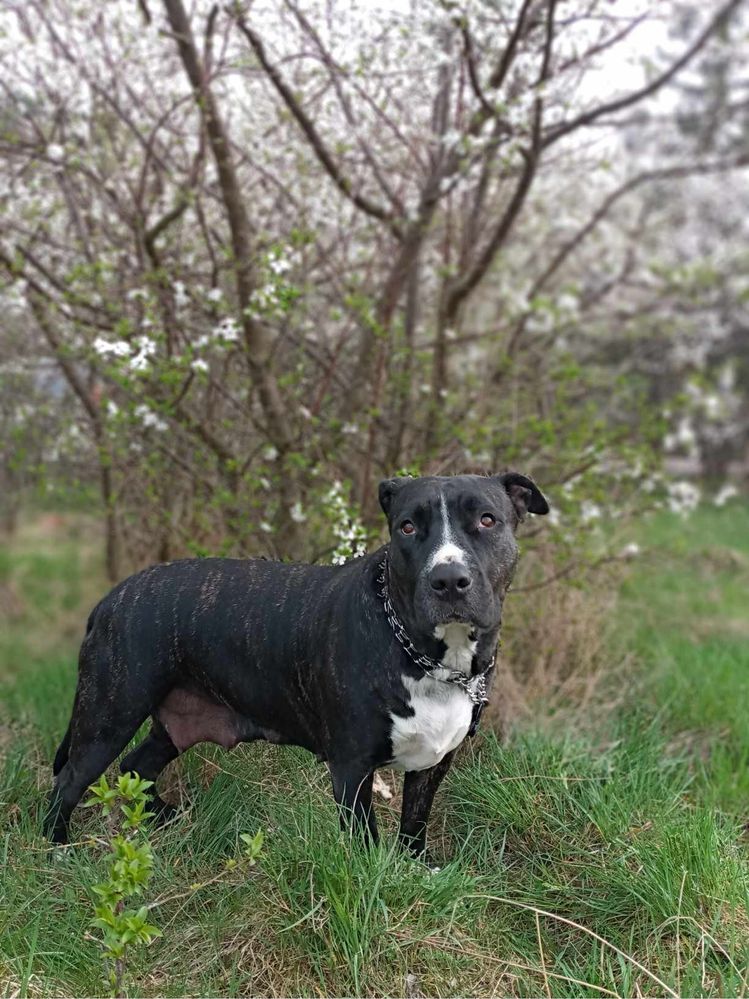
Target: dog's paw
x=425 y=859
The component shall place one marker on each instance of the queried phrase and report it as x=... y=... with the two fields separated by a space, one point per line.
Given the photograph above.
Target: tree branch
x=314 y=138
x=498 y=76
x=336 y=74
x=647 y=176
x=473 y=76
x=611 y=107
x=256 y=339
x=465 y=285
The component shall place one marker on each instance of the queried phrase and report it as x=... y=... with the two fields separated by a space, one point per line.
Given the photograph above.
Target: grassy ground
x=605 y=856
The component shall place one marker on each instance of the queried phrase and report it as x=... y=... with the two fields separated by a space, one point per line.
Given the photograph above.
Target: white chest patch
x=460 y=648
x=441 y=719
x=442 y=711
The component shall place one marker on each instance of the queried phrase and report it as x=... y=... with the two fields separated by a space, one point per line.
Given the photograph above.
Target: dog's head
x=452 y=545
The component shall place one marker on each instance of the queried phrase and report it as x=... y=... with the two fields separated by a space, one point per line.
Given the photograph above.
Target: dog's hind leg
x=93 y=748
x=148 y=759
x=106 y=715
x=352 y=787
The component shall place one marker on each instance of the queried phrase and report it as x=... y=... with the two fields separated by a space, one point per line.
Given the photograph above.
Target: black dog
x=383 y=661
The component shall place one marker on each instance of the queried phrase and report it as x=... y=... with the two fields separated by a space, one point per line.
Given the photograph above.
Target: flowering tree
x=271 y=247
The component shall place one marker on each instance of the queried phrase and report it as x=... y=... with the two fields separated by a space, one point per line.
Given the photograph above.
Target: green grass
x=606 y=857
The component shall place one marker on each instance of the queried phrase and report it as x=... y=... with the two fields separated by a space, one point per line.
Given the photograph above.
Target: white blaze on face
x=446 y=551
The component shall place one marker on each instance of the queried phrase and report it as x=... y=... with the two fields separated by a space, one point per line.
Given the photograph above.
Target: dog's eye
x=407 y=527
x=488 y=520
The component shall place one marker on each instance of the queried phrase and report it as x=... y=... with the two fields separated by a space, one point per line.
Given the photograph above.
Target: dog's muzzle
x=450 y=580
x=454 y=591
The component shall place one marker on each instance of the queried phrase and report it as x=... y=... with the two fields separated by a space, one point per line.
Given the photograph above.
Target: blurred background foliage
x=255 y=258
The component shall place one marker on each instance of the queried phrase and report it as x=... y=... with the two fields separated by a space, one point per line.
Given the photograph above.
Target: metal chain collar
x=474 y=686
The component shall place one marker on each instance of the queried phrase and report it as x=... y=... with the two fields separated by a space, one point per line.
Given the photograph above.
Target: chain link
x=474 y=686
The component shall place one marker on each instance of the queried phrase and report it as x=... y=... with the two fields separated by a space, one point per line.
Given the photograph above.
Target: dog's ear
x=525 y=495
x=389 y=488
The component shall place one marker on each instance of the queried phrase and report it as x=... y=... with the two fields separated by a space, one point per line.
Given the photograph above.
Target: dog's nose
x=450 y=579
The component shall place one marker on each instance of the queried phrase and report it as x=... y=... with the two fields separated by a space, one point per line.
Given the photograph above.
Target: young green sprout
x=128 y=873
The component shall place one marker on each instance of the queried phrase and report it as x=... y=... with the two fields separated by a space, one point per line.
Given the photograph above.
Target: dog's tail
x=63 y=750
x=61 y=756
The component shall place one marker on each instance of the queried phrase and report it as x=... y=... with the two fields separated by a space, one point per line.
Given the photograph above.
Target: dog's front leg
x=352 y=787
x=419 y=788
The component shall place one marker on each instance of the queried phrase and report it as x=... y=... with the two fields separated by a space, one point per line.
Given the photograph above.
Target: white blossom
x=200 y=365
x=279 y=265
x=148 y=418
x=568 y=302
x=227 y=330
x=347 y=527
x=589 y=511
x=270 y=453
x=181 y=298
x=297 y=514
x=727 y=491
x=685 y=432
x=451 y=137
x=14 y=297
x=146 y=349
x=214 y=295
x=683 y=437
x=120 y=348
x=683 y=497
x=712 y=406
x=727 y=377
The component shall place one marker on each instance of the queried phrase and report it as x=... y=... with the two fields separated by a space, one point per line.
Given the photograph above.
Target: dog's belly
x=441 y=719
x=191 y=716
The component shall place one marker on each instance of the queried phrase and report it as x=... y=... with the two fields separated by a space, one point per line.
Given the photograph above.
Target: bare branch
x=646 y=177
x=611 y=107
x=256 y=339
x=336 y=75
x=68 y=367
x=605 y=44
x=473 y=71
x=314 y=138
x=465 y=285
x=498 y=76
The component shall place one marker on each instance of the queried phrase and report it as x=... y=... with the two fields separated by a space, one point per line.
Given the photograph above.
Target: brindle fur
x=235 y=650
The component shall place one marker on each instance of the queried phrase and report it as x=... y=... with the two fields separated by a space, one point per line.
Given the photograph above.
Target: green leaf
x=254 y=844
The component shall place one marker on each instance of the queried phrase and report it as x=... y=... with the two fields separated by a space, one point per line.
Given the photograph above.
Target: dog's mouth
x=454 y=616
x=459 y=615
